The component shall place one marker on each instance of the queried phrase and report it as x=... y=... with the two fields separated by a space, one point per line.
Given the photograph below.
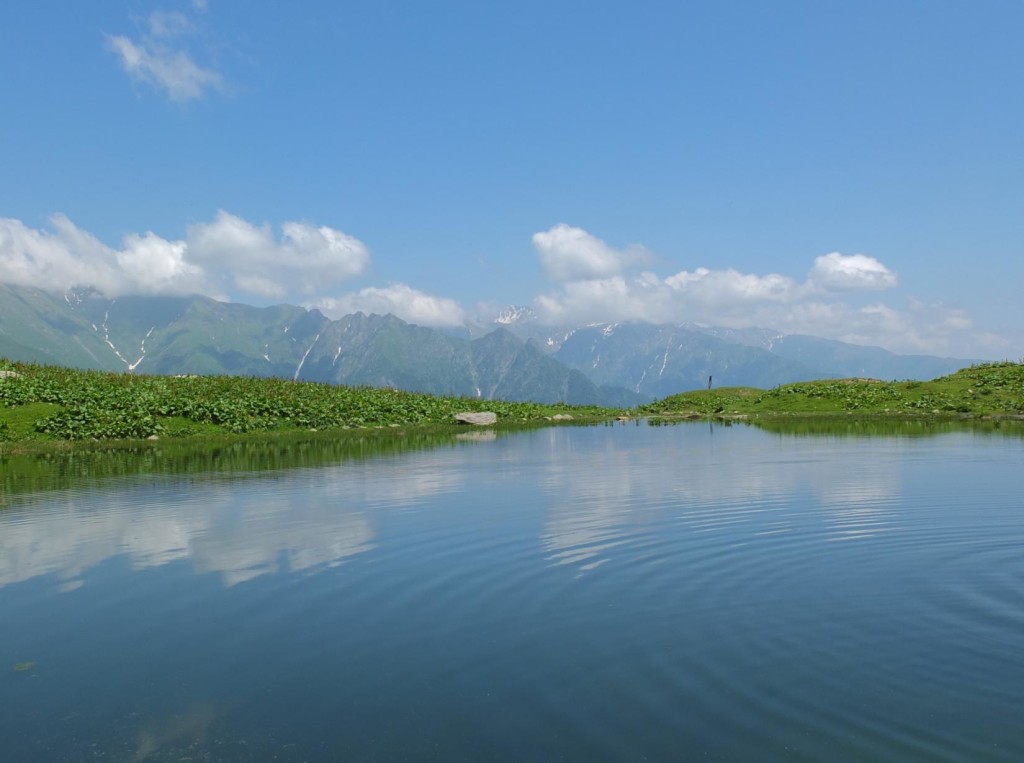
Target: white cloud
x=739 y=300
x=153 y=264
x=402 y=301
x=601 y=290
x=721 y=286
x=568 y=254
x=608 y=299
x=159 y=58
x=306 y=259
x=855 y=272
x=932 y=328
x=301 y=261
x=214 y=258
x=700 y=296
x=68 y=257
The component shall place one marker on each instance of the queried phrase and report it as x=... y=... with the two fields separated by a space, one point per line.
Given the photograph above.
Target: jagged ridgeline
x=513 y=357
x=198 y=335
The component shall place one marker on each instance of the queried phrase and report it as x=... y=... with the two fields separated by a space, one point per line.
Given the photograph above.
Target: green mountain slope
x=662 y=360
x=383 y=351
x=513 y=370
x=639 y=364
x=197 y=335
x=515 y=358
x=842 y=359
x=38 y=326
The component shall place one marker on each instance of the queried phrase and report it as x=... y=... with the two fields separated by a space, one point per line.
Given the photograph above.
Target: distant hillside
x=842 y=359
x=198 y=335
x=660 y=359
x=514 y=357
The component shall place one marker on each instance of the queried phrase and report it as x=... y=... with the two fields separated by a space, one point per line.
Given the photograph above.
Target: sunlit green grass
x=48 y=403
x=986 y=389
x=18 y=423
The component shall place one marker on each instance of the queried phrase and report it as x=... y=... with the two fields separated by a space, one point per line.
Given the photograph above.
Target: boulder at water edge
x=483 y=418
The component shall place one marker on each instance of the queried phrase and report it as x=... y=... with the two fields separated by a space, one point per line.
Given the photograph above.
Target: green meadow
x=41 y=405
x=45 y=404
x=985 y=390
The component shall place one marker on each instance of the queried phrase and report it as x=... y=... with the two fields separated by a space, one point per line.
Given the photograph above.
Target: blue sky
x=851 y=170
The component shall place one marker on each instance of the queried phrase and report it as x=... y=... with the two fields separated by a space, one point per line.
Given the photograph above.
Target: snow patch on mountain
x=514 y=314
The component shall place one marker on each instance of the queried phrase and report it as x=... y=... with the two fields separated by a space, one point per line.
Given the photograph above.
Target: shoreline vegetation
x=51 y=407
x=47 y=407
x=987 y=391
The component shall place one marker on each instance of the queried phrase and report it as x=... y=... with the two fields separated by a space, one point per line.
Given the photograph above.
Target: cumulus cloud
x=159 y=57
x=697 y=296
x=716 y=286
x=595 y=283
x=402 y=301
x=739 y=300
x=568 y=253
x=306 y=258
x=596 y=287
x=215 y=258
x=68 y=257
x=855 y=272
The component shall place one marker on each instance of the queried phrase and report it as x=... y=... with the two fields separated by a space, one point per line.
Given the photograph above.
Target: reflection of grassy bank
x=854 y=426
x=987 y=390
x=45 y=408
x=48 y=404
x=80 y=467
x=878 y=427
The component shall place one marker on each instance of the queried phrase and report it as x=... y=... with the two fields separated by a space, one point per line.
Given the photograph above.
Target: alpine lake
x=622 y=591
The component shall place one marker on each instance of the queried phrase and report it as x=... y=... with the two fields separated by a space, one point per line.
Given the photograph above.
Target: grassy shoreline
x=49 y=408
x=988 y=390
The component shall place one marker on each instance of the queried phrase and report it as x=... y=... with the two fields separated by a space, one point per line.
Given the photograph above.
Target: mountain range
x=512 y=356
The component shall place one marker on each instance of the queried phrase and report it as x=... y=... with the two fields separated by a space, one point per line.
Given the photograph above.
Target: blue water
x=688 y=592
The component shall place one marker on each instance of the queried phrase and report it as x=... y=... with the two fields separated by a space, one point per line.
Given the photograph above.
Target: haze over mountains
x=511 y=356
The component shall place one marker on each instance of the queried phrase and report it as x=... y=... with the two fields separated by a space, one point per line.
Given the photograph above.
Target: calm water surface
x=688 y=592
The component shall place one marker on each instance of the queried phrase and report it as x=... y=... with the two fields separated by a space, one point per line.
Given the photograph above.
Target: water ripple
x=603 y=593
